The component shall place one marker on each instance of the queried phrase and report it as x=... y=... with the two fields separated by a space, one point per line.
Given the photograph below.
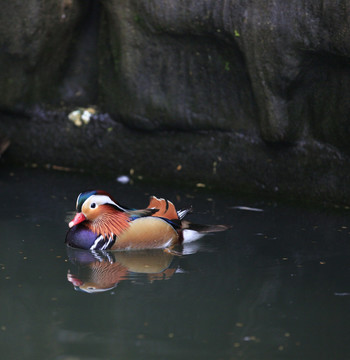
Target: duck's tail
x=192 y=232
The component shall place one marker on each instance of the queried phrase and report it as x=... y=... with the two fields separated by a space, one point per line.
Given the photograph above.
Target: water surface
x=275 y=286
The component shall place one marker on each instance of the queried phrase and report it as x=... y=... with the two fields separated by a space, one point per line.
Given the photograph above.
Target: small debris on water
x=246 y=208
x=214 y=167
x=342 y=294
x=250 y=338
x=62 y=168
x=123 y=179
x=4 y=144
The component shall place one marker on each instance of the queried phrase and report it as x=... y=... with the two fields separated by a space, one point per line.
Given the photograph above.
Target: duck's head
x=92 y=204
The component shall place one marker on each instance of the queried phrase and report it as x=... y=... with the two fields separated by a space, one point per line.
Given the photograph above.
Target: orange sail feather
x=166 y=208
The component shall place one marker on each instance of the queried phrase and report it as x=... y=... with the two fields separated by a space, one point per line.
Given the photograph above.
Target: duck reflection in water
x=100 y=271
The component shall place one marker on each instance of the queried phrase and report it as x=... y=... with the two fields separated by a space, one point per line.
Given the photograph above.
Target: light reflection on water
x=274 y=287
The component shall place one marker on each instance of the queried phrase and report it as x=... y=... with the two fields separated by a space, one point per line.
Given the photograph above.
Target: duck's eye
x=93 y=205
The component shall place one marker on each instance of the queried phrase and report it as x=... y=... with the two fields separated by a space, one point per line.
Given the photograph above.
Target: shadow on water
x=275 y=286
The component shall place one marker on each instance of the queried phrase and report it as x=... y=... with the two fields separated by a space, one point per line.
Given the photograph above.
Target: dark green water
x=276 y=286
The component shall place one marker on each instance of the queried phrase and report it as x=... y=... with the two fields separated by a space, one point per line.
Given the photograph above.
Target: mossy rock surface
x=241 y=94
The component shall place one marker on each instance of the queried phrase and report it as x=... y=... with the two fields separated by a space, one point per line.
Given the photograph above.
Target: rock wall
x=266 y=83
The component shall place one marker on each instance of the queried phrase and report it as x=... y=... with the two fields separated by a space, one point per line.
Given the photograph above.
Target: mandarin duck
x=101 y=223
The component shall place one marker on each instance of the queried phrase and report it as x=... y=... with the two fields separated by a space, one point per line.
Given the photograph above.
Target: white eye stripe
x=100 y=200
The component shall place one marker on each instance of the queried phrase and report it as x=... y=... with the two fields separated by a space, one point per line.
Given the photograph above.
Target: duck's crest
x=82 y=197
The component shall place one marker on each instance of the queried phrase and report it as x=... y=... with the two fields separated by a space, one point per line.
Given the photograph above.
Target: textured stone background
x=244 y=95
